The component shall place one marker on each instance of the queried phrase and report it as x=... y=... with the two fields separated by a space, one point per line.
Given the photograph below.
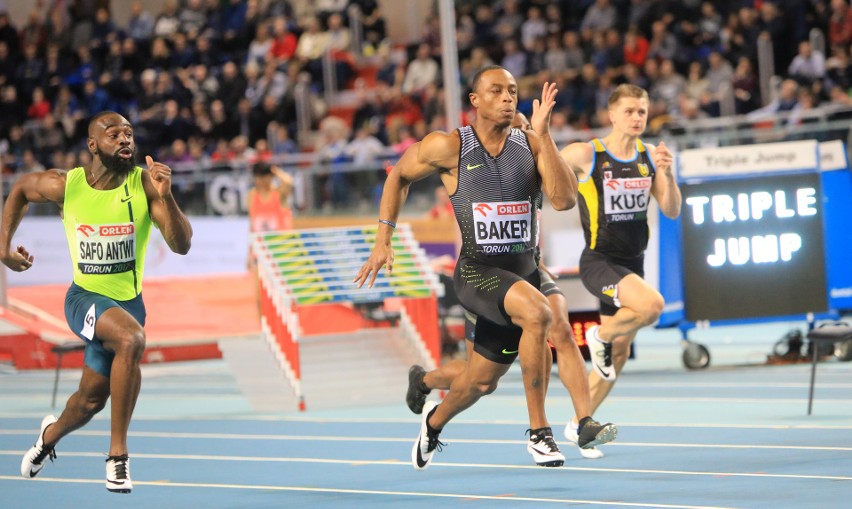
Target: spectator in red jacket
x=840 y=23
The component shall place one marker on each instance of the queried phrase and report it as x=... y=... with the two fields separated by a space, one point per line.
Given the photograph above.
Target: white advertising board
x=748 y=159
x=219 y=246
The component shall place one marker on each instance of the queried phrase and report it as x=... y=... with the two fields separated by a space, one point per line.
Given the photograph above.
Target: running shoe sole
x=605 y=435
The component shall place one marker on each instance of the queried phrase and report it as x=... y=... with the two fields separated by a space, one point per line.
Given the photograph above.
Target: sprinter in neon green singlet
x=107 y=208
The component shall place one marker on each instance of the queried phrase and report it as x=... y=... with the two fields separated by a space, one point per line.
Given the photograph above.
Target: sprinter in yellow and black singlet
x=108 y=209
x=614 y=202
x=618 y=174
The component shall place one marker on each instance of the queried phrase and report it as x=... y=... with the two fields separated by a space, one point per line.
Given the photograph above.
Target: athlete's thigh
x=521 y=298
x=635 y=293
x=89 y=313
x=115 y=326
x=482 y=289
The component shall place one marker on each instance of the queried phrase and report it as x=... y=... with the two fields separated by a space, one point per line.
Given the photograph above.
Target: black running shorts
x=482 y=288
x=494 y=342
x=500 y=343
x=600 y=275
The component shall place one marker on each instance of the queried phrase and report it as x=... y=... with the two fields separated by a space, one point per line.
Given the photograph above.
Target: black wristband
x=389 y=223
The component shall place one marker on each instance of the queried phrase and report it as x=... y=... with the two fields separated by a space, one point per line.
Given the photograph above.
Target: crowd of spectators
x=215 y=80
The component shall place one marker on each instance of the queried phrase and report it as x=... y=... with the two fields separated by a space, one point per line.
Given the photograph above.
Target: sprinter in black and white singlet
x=494 y=176
x=500 y=344
x=618 y=174
x=496 y=204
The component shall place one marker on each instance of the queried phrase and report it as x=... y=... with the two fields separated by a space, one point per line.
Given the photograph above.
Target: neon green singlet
x=107 y=234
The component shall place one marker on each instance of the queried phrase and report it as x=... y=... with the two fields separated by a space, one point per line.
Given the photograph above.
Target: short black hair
x=474 y=82
x=99 y=116
x=261 y=169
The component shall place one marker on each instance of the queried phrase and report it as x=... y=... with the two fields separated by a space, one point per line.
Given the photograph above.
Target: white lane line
x=406 y=464
x=302 y=418
x=713 y=385
x=330 y=438
x=462 y=496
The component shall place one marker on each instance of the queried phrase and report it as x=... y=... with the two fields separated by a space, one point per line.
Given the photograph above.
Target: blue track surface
x=729 y=436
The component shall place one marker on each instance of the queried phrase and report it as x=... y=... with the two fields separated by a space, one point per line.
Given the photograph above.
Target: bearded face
x=121 y=161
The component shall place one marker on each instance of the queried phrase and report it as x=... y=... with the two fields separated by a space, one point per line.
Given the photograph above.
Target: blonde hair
x=627 y=90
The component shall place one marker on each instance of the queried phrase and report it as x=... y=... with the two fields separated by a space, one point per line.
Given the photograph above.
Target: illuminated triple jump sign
x=757 y=206
x=753 y=243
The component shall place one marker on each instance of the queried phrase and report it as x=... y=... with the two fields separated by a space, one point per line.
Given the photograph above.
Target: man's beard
x=117 y=164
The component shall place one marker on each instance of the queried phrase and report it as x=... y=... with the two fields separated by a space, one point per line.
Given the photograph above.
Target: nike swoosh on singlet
x=126 y=199
x=469 y=167
x=507 y=352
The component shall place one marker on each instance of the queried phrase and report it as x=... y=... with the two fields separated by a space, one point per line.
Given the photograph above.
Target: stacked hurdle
x=306 y=289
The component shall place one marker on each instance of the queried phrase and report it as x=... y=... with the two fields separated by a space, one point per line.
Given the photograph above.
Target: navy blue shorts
x=82 y=310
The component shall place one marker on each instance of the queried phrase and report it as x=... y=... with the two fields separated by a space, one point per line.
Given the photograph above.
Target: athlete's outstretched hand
x=540 y=119
x=18 y=260
x=161 y=175
x=662 y=158
x=382 y=254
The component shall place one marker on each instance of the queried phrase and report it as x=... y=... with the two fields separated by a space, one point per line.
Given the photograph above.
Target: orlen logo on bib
x=637 y=184
x=118 y=229
x=483 y=208
x=513 y=209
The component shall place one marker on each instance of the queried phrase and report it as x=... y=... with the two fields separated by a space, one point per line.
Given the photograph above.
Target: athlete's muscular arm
x=578 y=156
x=558 y=182
x=48 y=186
x=438 y=151
x=163 y=208
x=665 y=188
